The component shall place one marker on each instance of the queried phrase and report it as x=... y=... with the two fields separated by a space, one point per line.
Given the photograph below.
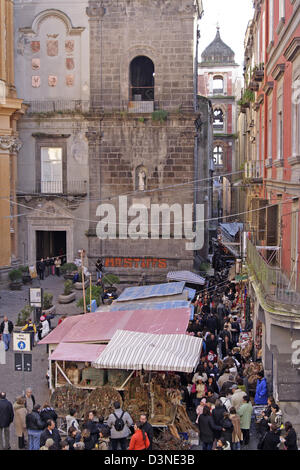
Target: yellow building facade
x=10 y=111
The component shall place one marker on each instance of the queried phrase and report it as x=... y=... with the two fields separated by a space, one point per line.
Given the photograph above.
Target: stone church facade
x=111 y=88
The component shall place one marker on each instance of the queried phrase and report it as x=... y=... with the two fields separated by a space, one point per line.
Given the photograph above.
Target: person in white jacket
x=45 y=326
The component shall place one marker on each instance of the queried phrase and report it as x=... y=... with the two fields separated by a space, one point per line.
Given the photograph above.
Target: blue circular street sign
x=21 y=345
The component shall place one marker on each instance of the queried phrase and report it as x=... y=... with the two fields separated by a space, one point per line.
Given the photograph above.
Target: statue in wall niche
x=141 y=180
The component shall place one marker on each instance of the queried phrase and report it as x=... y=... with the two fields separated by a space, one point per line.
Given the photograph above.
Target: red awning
x=77 y=352
x=101 y=326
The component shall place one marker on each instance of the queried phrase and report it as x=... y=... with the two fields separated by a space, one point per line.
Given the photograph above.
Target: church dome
x=218 y=53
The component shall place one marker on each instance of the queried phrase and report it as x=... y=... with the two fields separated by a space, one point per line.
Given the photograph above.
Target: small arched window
x=218 y=155
x=142 y=79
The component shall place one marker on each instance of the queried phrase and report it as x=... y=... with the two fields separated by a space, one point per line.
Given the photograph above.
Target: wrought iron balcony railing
x=276 y=286
x=254 y=170
x=53 y=187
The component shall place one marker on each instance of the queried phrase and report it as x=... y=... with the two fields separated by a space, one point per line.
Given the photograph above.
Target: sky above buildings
x=233 y=17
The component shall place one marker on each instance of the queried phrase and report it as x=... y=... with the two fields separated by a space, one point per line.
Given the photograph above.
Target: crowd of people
x=49 y=266
x=217 y=396
x=218 y=393
x=36 y=428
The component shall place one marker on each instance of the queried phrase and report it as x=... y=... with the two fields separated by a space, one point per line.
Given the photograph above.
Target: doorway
x=53 y=243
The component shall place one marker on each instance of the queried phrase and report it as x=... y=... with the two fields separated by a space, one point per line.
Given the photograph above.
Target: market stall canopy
x=77 y=352
x=186 y=276
x=150 y=305
x=136 y=351
x=56 y=336
x=157 y=290
x=154 y=306
x=101 y=326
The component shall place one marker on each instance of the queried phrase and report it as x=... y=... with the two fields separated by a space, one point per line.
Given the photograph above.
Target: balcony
x=58 y=187
x=254 y=171
x=274 y=284
x=258 y=73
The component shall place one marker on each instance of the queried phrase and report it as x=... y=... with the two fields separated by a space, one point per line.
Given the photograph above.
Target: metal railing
x=47 y=107
x=274 y=283
x=70 y=188
x=254 y=169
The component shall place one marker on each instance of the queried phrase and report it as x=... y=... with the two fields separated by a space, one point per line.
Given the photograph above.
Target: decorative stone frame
x=53 y=218
x=53 y=141
x=34 y=28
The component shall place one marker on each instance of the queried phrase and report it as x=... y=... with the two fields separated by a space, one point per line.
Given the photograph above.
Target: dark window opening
x=142 y=79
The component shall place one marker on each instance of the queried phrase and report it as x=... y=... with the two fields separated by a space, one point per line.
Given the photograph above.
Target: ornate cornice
x=278 y=71
x=10 y=143
x=292 y=50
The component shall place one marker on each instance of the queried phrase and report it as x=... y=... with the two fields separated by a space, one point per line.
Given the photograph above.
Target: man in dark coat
x=51 y=432
x=34 y=426
x=6 y=329
x=6 y=418
x=207 y=429
x=212 y=323
x=148 y=429
x=92 y=427
x=272 y=439
x=218 y=415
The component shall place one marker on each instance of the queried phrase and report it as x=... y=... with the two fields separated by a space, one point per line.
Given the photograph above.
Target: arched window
x=218 y=156
x=218 y=119
x=142 y=79
x=218 y=85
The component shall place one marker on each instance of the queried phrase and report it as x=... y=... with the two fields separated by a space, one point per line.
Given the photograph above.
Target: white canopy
x=187 y=276
x=130 y=350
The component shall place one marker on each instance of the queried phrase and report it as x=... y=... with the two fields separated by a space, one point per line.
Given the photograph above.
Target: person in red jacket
x=139 y=440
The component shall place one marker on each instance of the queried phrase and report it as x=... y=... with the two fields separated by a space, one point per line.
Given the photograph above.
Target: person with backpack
x=119 y=423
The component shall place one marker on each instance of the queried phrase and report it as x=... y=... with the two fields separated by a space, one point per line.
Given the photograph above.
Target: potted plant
x=23 y=316
x=68 y=270
x=26 y=278
x=47 y=307
x=15 y=276
x=68 y=295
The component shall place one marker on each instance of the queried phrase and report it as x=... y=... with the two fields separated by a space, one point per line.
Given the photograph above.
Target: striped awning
x=187 y=276
x=130 y=350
